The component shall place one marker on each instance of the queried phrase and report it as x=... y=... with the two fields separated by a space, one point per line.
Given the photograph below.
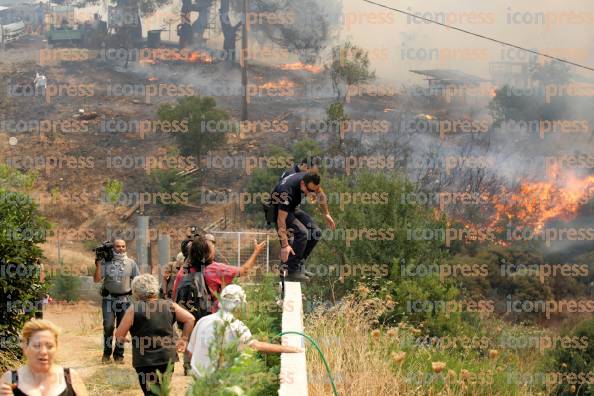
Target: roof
x=450 y=75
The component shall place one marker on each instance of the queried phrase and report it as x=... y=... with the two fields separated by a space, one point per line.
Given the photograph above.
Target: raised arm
x=249 y=264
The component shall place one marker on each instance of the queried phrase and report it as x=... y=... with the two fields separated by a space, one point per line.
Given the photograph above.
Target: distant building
x=450 y=84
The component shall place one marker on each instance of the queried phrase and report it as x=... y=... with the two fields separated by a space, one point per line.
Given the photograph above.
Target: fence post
x=239 y=249
x=267 y=253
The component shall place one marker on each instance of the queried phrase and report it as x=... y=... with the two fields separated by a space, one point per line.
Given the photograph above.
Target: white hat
x=232 y=296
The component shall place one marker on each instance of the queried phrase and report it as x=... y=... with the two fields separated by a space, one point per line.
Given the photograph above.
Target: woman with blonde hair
x=41 y=375
x=150 y=322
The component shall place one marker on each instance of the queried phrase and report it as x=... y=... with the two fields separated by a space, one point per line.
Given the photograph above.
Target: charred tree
x=201 y=24
x=229 y=31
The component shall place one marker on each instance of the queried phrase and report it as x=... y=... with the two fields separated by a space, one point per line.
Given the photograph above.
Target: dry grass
x=360 y=364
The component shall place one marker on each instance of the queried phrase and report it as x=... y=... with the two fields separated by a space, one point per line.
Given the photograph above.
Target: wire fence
x=235 y=247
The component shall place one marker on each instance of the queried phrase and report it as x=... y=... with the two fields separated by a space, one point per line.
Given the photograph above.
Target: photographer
x=116 y=270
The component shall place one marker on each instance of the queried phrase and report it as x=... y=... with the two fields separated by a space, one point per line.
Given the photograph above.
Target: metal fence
x=235 y=247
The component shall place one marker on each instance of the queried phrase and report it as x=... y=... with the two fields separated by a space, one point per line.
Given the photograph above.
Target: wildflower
x=398 y=356
x=438 y=366
x=493 y=353
x=363 y=290
x=464 y=374
x=572 y=389
x=392 y=332
x=375 y=334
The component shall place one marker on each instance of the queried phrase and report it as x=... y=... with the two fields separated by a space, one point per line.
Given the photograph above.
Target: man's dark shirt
x=289 y=172
x=287 y=195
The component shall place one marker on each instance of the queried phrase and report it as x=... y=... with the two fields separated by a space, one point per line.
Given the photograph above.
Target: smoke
x=312 y=25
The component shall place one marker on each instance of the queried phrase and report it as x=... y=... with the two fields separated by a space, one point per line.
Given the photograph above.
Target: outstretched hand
x=258 y=247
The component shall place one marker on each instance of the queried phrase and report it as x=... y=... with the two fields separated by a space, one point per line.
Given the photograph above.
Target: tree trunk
x=201 y=24
x=229 y=31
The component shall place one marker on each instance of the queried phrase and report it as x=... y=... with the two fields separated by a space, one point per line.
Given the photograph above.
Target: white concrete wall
x=293 y=374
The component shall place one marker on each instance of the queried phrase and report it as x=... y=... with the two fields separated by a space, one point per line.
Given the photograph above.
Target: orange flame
x=281 y=84
x=535 y=203
x=301 y=66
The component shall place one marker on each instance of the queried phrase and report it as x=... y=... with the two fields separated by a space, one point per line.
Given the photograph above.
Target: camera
x=104 y=251
x=189 y=238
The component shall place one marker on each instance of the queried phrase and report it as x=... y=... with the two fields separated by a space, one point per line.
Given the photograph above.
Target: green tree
x=376 y=244
x=350 y=66
x=113 y=190
x=202 y=116
x=21 y=229
x=335 y=116
x=167 y=181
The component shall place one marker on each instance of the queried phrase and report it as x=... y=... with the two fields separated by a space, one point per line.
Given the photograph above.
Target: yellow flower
x=392 y=332
x=438 y=366
x=363 y=290
x=451 y=373
x=375 y=334
x=493 y=353
x=398 y=356
x=464 y=374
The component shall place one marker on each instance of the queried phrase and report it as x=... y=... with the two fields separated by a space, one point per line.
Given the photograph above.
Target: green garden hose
x=319 y=351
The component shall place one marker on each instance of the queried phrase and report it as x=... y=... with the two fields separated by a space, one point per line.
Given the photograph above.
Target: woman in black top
x=150 y=322
x=41 y=376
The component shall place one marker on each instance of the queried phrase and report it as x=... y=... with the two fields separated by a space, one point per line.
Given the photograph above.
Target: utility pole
x=243 y=61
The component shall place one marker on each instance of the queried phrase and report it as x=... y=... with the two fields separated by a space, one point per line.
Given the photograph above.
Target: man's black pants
x=113 y=309
x=306 y=235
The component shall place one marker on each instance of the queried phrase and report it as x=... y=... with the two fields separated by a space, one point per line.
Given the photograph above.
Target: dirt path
x=80 y=348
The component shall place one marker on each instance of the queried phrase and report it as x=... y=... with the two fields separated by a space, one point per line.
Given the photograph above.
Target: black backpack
x=193 y=295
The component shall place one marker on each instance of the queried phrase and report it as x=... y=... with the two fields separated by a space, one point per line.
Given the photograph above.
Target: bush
x=574 y=361
x=199 y=113
x=21 y=229
x=65 y=288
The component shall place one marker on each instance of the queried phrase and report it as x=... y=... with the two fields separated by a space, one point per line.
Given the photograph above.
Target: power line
x=481 y=36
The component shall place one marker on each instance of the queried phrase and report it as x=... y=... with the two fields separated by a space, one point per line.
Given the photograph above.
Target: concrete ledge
x=293 y=373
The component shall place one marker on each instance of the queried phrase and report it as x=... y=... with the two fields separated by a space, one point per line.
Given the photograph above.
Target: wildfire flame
x=191 y=57
x=281 y=84
x=535 y=203
x=301 y=66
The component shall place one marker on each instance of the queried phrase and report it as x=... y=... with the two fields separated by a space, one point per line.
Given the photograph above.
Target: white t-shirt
x=203 y=335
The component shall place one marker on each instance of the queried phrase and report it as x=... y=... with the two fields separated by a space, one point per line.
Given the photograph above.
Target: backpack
x=193 y=295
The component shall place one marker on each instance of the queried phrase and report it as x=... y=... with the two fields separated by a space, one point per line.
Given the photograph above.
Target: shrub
x=65 y=288
x=571 y=361
x=20 y=226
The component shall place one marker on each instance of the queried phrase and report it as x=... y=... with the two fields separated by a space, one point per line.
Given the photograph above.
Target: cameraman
x=116 y=273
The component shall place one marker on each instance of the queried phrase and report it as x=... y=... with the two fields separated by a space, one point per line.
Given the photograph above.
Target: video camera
x=189 y=238
x=104 y=251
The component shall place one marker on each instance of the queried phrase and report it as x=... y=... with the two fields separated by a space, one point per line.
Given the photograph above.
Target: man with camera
x=116 y=270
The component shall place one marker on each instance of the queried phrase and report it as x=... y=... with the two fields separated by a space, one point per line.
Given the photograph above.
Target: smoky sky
x=563 y=29
x=398 y=43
